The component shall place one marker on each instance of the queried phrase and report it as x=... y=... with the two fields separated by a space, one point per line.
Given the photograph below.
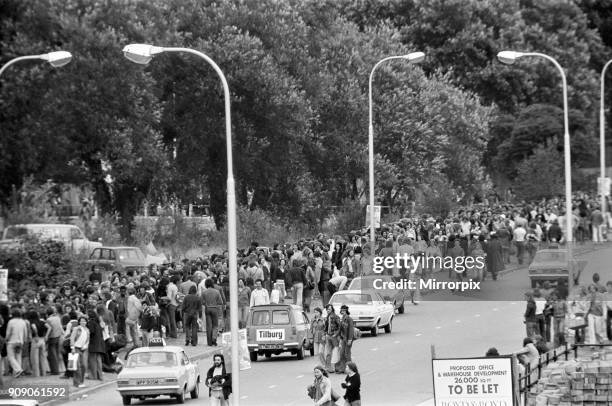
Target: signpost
x=3 y=285
x=474 y=381
x=603 y=186
x=376 y=216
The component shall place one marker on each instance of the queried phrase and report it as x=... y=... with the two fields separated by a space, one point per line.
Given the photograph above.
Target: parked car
x=395 y=296
x=154 y=371
x=278 y=328
x=368 y=309
x=552 y=265
x=71 y=235
x=118 y=259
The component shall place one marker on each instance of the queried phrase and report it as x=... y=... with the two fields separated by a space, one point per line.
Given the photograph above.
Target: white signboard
x=3 y=285
x=275 y=334
x=473 y=381
x=603 y=186
x=376 y=216
x=243 y=350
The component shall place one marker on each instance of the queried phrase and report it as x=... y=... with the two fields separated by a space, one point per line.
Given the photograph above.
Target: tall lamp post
x=509 y=57
x=602 y=139
x=414 y=57
x=55 y=59
x=142 y=54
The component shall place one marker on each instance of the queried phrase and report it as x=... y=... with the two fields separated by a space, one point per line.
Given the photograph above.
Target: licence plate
x=147 y=381
x=271 y=346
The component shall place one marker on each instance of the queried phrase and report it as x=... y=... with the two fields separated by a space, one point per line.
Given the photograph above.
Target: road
x=396 y=368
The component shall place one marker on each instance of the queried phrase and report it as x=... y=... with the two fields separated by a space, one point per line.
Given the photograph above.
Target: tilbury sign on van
x=271 y=334
x=473 y=381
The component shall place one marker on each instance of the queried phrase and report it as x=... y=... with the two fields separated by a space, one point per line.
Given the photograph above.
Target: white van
x=69 y=234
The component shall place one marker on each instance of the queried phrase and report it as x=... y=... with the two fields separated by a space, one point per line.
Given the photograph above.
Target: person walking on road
x=352 y=384
x=317 y=329
x=332 y=338
x=347 y=329
x=192 y=309
x=219 y=382
x=321 y=390
x=213 y=304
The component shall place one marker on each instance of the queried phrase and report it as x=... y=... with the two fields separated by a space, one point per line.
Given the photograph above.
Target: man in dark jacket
x=494 y=251
x=213 y=303
x=347 y=330
x=219 y=382
x=332 y=336
x=297 y=276
x=192 y=309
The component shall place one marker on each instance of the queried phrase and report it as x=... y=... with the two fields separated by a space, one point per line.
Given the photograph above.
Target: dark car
x=552 y=265
x=118 y=259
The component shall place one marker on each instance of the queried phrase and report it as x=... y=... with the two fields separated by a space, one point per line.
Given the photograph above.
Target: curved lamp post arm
x=413 y=57
x=19 y=59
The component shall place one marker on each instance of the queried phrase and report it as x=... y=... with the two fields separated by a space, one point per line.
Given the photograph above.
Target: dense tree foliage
x=298 y=75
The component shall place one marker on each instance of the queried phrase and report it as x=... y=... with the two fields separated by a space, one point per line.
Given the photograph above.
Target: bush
x=47 y=263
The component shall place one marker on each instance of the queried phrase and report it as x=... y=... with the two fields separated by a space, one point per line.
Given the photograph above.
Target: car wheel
x=126 y=400
x=181 y=398
x=268 y=355
x=300 y=353
x=311 y=350
x=534 y=284
x=374 y=330
x=389 y=326
x=196 y=390
x=253 y=356
x=400 y=309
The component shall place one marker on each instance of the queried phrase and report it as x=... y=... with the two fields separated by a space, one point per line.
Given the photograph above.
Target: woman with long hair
x=352 y=384
x=321 y=390
x=37 y=346
x=97 y=347
x=79 y=343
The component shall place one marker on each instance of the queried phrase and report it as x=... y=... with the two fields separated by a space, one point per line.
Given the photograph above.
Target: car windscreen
x=15 y=232
x=352 y=298
x=129 y=255
x=550 y=256
x=152 y=359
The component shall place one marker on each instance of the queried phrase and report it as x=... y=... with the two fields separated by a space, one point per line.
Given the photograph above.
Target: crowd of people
x=106 y=312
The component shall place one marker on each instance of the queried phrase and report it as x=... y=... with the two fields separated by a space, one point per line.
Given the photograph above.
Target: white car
x=72 y=236
x=368 y=309
x=154 y=371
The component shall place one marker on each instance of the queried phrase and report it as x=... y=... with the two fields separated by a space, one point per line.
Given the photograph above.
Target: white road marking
x=374 y=349
x=396 y=342
x=243 y=397
x=495 y=309
x=438 y=327
x=299 y=376
x=419 y=334
x=478 y=315
x=271 y=386
x=457 y=321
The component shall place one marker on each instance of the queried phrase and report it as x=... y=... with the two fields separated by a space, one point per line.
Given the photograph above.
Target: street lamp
x=142 y=54
x=602 y=140
x=414 y=57
x=509 y=57
x=56 y=59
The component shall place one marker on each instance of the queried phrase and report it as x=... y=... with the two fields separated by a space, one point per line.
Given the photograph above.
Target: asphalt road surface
x=396 y=368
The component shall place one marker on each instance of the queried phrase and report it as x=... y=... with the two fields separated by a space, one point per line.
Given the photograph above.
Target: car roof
x=166 y=348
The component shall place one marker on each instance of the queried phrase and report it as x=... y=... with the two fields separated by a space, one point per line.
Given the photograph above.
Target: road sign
x=473 y=381
x=376 y=216
x=603 y=186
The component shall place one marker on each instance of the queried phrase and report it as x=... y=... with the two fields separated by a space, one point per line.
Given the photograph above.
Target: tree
x=541 y=175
